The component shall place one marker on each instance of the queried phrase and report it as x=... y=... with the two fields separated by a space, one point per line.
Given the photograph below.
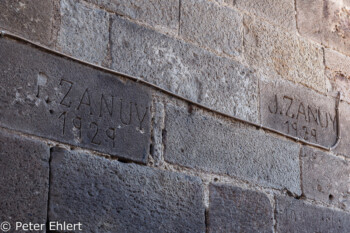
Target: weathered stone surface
x=325 y=178
x=211 y=25
x=338 y=71
x=109 y=196
x=57 y=98
x=199 y=141
x=163 y=14
x=191 y=72
x=279 y=54
x=83 y=32
x=297 y=216
x=24 y=179
x=298 y=111
x=343 y=148
x=33 y=20
x=326 y=21
x=233 y=209
x=278 y=12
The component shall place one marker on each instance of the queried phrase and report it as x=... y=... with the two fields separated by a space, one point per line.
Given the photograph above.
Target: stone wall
x=81 y=144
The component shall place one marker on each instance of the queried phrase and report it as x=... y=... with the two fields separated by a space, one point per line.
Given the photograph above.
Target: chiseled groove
x=260 y=126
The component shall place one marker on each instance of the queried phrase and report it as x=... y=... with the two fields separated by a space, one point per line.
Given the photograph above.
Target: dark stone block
x=24 y=179
x=234 y=209
x=109 y=196
x=296 y=216
x=57 y=98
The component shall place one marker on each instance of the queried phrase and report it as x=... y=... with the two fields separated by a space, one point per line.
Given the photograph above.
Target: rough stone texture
x=163 y=14
x=296 y=216
x=191 y=72
x=232 y=209
x=326 y=21
x=279 y=12
x=33 y=20
x=157 y=133
x=279 y=54
x=298 y=111
x=338 y=70
x=211 y=25
x=24 y=179
x=343 y=147
x=84 y=31
x=199 y=141
x=57 y=98
x=325 y=178
x=108 y=196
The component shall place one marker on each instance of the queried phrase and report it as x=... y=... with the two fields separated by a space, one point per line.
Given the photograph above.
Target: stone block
x=24 y=178
x=278 y=54
x=54 y=97
x=278 y=12
x=325 y=178
x=212 y=26
x=186 y=70
x=297 y=216
x=109 y=196
x=298 y=111
x=343 y=146
x=32 y=19
x=199 y=141
x=162 y=14
x=233 y=209
x=84 y=31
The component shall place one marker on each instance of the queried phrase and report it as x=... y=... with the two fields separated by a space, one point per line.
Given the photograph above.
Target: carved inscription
x=299 y=113
x=66 y=101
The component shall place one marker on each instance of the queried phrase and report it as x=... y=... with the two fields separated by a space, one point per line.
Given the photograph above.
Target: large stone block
x=109 y=196
x=24 y=179
x=233 y=209
x=197 y=140
x=63 y=100
x=278 y=12
x=279 y=54
x=84 y=31
x=32 y=19
x=326 y=21
x=325 y=178
x=213 y=26
x=191 y=72
x=297 y=216
x=298 y=111
x=163 y=14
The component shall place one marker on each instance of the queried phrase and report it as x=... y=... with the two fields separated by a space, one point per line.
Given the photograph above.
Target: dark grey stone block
x=233 y=209
x=59 y=99
x=325 y=178
x=32 y=19
x=184 y=69
x=24 y=179
x=298 y=111
x=109 y=196
x=200 y=141
x=297 y=216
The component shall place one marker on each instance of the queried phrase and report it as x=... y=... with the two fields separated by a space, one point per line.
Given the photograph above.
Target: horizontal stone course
x=163 y=14
x=298 y=111
x=199 y=141
x=56 y=98
x=233 y=209
x=33 y=20
x=325 y=178
x=283 y=55
x=213 y=26
x=193 y=73
x=297 y=216
x=109 y=196
x=24 y=179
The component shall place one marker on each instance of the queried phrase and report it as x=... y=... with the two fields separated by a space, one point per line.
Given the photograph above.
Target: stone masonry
x=226 y=124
